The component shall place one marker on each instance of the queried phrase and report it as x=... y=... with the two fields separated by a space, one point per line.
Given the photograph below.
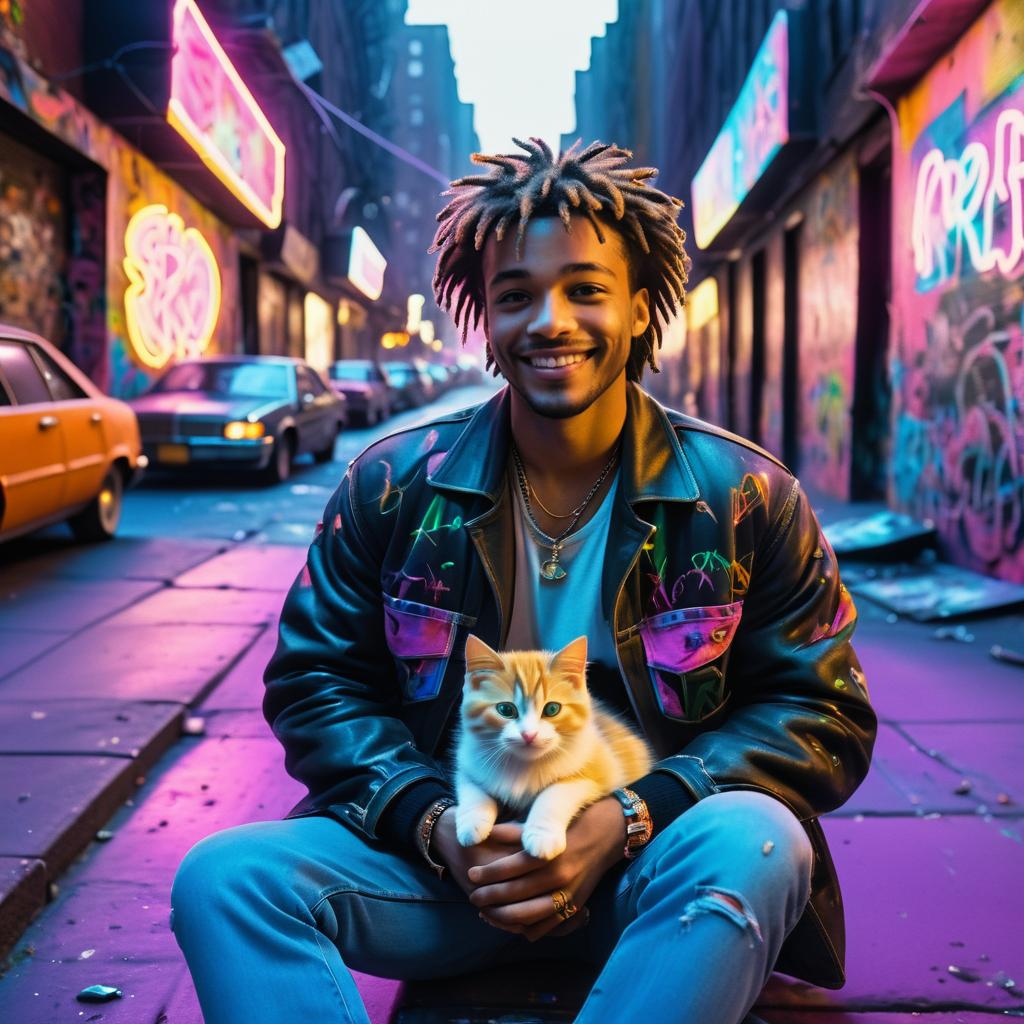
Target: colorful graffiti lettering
x=173 y=298
x=828 y=328
x=958 y=203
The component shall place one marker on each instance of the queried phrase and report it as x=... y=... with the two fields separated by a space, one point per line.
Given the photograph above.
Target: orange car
x=67 y=451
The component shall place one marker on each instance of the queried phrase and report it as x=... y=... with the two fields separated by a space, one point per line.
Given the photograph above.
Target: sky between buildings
x=516 y=62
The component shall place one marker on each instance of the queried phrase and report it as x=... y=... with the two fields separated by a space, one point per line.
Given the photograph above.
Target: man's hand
x=445 y=847
x=515 y=890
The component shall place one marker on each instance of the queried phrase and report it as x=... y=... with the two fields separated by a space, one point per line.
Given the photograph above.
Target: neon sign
x=961 y=197
x=216 y=114
x=366 y=265
x=702 y=304
x=173 y=298
x=754 y=131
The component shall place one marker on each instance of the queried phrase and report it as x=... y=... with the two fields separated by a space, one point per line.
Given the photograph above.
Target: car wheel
x=98 y=520
x=280 y=466
x=326 y=454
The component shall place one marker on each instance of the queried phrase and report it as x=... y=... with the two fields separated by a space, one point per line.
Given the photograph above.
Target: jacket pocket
x=421 y=638
x=679 y=647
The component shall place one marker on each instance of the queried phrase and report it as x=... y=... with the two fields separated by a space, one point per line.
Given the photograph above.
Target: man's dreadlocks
x=595 y=183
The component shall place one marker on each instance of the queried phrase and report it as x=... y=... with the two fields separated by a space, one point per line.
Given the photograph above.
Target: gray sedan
x=247 y=412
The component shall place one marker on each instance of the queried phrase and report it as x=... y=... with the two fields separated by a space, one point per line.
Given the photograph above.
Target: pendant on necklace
x=552 y=571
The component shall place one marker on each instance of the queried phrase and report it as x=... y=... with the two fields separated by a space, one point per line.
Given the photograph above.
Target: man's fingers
x=515 y=865
x=526 y=912
x=507 y=832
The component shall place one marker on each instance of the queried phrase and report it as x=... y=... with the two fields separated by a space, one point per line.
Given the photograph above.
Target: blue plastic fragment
x=98 y=994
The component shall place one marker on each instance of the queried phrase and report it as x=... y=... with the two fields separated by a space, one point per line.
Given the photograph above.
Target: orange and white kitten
x=531 y=739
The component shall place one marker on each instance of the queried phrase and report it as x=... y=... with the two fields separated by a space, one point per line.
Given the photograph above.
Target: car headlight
x=243 y=430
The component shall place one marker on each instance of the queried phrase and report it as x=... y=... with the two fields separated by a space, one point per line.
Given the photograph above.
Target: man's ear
x=641 y=312
x=480 y=657
x=572 y=660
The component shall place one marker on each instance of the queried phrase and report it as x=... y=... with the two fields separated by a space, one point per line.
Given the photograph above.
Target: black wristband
x=665 y=796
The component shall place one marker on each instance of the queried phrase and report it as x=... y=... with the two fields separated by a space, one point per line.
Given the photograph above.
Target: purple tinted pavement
x=929 y=858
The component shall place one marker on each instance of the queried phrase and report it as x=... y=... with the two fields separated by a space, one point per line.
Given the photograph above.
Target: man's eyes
x=584 y=291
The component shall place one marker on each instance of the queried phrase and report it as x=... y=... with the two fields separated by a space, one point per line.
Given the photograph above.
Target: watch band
x=426 y=831
x=639 y=827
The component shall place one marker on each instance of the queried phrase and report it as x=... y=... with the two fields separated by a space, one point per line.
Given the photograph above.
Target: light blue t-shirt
x=548 y=615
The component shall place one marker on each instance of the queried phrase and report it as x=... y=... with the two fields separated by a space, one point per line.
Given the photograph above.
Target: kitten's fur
x=577 y=756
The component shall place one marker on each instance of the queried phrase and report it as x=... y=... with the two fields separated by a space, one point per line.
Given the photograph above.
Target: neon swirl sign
x=173 y=298
x=211 y=107
x=960 y=197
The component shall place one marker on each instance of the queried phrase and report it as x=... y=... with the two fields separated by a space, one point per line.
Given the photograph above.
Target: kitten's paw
x=543 y=841
x=472 y=827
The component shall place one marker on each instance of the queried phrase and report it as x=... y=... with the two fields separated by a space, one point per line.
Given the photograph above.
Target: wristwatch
x=639 y=827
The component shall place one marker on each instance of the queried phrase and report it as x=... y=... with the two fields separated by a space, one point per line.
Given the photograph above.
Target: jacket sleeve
x=801 y=726
x=331 y=694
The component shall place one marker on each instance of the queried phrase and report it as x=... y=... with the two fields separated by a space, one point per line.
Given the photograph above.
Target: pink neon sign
x=961 y=197
x=214 y=111
x=173 y=298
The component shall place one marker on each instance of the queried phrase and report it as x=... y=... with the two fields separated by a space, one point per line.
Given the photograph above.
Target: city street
x=707 y=248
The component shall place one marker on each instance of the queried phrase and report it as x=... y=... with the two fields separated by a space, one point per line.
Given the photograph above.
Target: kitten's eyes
x=507 y=710
x=551 y=709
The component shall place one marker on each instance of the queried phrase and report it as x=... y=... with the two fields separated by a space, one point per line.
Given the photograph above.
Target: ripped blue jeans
x=271 y=916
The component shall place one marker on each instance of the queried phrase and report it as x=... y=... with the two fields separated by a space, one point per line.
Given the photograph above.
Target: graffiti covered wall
x=828 y=327
x=132 y=183
x=958 y=297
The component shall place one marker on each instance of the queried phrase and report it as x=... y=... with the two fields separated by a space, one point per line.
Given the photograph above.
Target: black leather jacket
x=731 y=624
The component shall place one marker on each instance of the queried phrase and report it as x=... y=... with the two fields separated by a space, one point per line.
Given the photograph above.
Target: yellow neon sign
x=174 y=293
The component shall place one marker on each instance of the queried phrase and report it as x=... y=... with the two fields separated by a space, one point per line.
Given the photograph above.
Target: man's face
x=566 y=300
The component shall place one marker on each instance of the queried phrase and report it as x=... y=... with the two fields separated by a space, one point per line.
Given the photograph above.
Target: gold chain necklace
x=551 y=570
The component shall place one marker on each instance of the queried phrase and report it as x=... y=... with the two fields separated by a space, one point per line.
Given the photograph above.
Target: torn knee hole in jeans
x=730 y=905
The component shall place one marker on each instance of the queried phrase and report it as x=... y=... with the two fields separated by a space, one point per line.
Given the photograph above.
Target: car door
x=84 y=434
x=32 y=463
x=317 y=423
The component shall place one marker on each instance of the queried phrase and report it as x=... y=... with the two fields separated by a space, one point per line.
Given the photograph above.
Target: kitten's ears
x=480 y=657
x=572 y=660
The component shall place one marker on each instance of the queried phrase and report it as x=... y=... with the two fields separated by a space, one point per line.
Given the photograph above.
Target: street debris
x=963 y=973
x=98 y=994
x=768 y=847
x=959 y=633
x=86 y=953
x=194 y=726
x=964 y=787
x=1001 y=653
x=104 y=834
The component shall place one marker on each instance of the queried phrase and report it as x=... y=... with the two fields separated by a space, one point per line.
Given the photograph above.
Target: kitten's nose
x=528 y=737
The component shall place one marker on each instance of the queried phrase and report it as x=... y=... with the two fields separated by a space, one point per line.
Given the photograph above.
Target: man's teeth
x=551 y=362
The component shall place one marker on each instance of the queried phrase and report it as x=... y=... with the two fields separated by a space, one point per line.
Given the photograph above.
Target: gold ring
x=564 y=906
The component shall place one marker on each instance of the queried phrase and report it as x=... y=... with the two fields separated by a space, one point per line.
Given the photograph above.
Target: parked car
x=68 y=452
x=365 y=388
x=413 y=386
x=245 y=412
x=443 y=378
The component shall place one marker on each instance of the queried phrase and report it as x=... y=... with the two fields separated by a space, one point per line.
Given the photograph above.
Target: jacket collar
x=654 y=465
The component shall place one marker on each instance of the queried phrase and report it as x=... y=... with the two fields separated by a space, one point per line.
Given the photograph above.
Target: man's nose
x=528 y=737
x=554 y=317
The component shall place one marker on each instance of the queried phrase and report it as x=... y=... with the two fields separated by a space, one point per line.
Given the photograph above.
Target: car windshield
x=260 y=380
x=350 y=371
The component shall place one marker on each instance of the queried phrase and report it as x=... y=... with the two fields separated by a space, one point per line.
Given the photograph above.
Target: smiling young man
x=571 y=503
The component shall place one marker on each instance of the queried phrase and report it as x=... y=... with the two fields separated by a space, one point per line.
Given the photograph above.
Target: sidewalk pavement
x=108 y=652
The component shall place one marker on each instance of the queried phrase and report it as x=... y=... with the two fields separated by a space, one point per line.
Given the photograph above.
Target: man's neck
x=560 y=453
